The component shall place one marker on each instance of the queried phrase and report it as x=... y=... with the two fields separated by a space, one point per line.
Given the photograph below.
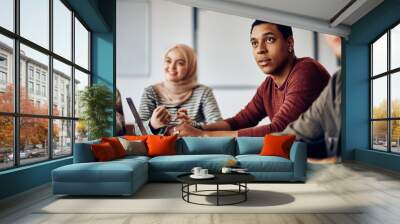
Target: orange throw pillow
x=103 y=152
x=135 y=137
x=116 y=145
x=275 y=145
x=161 y=145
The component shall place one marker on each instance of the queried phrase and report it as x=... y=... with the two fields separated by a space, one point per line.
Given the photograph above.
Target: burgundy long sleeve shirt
x=282 y=104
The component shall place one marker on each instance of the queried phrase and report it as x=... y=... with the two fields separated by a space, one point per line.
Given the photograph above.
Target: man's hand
x=170 y=131
x=187 y=130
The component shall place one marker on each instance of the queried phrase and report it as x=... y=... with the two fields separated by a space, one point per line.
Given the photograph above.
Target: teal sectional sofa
x=125 y=176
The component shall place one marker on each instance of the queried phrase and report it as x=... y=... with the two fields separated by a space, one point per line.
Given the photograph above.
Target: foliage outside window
x=385 y=91
x=38 y=86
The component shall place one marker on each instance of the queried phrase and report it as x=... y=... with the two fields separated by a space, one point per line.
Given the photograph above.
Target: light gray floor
x=377 y=188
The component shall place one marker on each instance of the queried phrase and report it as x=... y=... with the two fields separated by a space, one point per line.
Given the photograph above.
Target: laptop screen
x=138 y=120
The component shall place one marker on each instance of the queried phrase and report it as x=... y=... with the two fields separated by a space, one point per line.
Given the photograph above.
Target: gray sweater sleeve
x=322 y=119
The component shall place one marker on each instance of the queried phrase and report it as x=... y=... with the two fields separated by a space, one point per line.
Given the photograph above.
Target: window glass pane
x=62 y=89
x=6 y=142
x=62 y=29
x=395 y=138
x=6 y=74
x=81 y=45
x=379 y=135
x=81 y=131
x=35 y=21
x=62 y=138
x=33 y=139
x=379 y=55
x=395 y=94
x=7 y=14
x=395 y=47
x=81 y=81
x=34 y=80
x=379 y=97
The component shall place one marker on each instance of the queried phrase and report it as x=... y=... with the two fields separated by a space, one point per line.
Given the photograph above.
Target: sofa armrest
x=298 y=155
x=83 y=152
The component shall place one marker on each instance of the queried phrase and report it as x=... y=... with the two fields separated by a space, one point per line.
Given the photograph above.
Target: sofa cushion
x=249 y=145
x=103 y=152
x=185 y=163
x=116 y=145
x=277 y=145
x=131 y=158
x=135 y=137
x=112 y=171
x=161 y=145
x=257 y=163
x=134 y=147
x=206 y=145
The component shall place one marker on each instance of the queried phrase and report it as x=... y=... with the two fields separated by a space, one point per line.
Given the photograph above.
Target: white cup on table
x=203 y=172
x=196 y=170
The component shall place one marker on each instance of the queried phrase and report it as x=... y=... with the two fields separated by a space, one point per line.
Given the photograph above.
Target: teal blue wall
x=379 y=159
x=103 y=63
x=99 y=16
x=102 y=59
x=90 y=12
x=103 y=52
x=356 y=89
x=24 y=178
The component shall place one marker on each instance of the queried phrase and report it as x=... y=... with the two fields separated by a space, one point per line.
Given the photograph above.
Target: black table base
x=241 y=191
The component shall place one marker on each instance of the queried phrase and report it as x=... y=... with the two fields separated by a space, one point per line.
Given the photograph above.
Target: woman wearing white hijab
x=179 y=98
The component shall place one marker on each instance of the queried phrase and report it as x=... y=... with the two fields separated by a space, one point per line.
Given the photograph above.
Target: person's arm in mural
x=207 y=108
x=247 y=117
x=252 y=114
x=154 y=117
x=305 y=86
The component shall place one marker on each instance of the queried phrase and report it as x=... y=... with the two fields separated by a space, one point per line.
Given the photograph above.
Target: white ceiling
x=326 y=16
x=320 y=9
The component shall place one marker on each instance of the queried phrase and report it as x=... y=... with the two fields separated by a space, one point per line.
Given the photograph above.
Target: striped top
x=202 y=106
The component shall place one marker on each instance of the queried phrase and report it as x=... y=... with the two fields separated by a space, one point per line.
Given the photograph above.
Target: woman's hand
x=183 y=117
x=160 y=117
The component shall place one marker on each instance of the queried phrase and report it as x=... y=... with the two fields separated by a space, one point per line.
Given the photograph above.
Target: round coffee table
x=238 y=179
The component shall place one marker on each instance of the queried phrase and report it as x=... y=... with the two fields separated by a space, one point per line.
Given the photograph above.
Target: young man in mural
x=291 y=85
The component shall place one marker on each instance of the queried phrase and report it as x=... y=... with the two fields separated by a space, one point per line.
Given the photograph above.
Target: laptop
x=138 y=120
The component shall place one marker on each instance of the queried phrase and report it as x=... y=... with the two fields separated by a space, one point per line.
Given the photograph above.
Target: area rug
x=167 y=198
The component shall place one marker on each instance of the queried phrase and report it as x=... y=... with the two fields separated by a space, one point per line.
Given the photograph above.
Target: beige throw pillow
x=137 y=147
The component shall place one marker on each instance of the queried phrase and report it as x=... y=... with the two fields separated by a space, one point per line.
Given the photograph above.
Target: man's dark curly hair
x=285 y=30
